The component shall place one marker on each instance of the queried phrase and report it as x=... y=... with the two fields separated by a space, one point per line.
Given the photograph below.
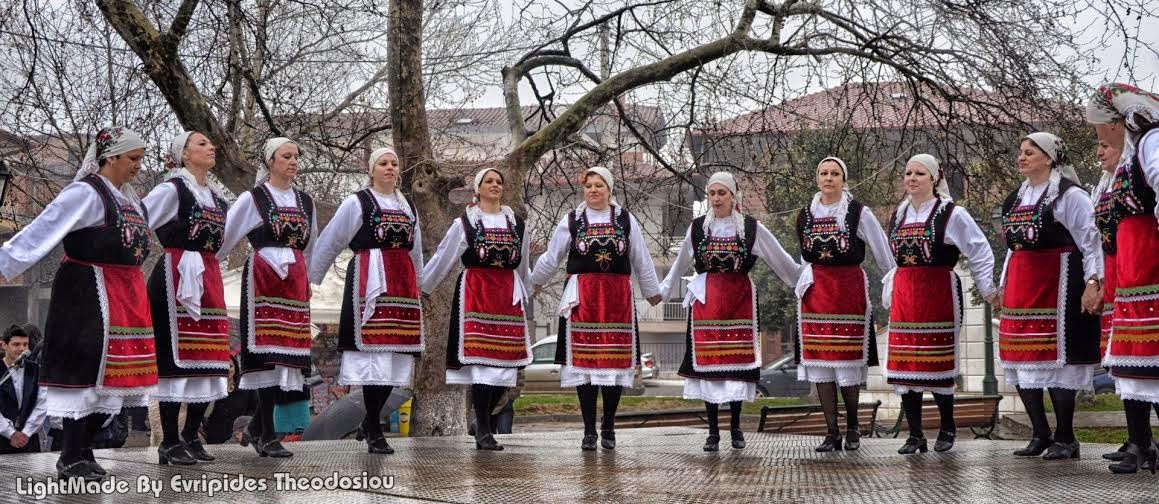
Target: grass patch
x=568 y=404
x=1092 y=403
x=1109 y=436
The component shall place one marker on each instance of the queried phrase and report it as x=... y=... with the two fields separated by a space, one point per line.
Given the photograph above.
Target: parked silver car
x=542 y=375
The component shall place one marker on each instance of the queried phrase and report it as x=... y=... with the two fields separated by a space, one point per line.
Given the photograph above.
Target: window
x=543 y=354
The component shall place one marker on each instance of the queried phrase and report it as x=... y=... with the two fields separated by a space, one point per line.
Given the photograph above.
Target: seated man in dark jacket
x=21 y=401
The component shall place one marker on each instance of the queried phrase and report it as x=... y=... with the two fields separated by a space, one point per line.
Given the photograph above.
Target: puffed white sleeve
x=679 y=267
x=964 y=233
x=524 y=268
x=1076 y=212
x=549 y=262
x=450 y=251
x=335 y=238
x=161 y=204
x=76 y=207
x=39 y=412
x=770 y=250
x=1149 y=160
x=239 y=221
x=641 y=257
x=1005 y=265
x=308 y=252
x=870 y=231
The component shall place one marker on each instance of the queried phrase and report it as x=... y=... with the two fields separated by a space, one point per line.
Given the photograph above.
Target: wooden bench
x=669 y=418
x=979 y=413
x=809 y=419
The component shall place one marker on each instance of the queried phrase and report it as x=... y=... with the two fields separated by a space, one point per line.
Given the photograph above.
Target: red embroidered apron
x=280 y=309
x=397 y=323
x=129 y=363
x=200 y=343
x=834 y=318
x=493 y=331
x=1135 y=340
x=601 y=330
x=923 y=324
x=724 y=327
x=1033 y=310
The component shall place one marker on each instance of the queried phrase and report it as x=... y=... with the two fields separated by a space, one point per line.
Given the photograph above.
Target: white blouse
x=1149 y=160
x=163 y=204
x=964 y=233
x=557 y=249
x=345 y=224
x=243 y=217
x=1075 y=211
x=765 y=247
x=78 y=206
x=453 y=246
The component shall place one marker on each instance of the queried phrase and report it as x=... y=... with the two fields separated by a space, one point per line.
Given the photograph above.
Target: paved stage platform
x=657 y=465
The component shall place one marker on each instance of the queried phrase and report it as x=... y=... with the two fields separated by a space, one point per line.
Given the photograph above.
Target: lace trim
x=602 y=372
x=171 y=304
x=864 y=339
x=955 y=284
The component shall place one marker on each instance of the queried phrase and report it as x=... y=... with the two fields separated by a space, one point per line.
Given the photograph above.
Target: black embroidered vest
x=1132 y=194
x=196 y=227
x=600 y=248
x=924 y=243
x=381 y=228
x=122 y=239
x=823 y=242
x=1033 y=227
x=282 y=226
x=498 y=248
x=723 y=254
x=1107 y=217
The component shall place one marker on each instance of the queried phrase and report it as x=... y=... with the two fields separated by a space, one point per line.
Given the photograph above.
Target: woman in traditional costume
x=928 y=233
x=187 y=297
x=1048 y=334
x=279 y=221
x=598 y=344
x=1133 y=350
x=98 y=352
x=722 y=357
x=380 y=338
x=488 y=335
x=837 y=343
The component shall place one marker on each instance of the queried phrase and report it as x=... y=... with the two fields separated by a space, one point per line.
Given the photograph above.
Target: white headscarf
x=111 y=141
x=1055 y=149
x=605 y=174
x=374 y=156
x=268 y=151
x=846 y=197
x=726 y=180
x=474 y=212
x=177 y=168
x=1123 y=102
x=941 y=186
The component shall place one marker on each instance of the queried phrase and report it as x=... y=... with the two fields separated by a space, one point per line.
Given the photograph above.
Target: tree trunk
x=439 y=410
x=158 y=52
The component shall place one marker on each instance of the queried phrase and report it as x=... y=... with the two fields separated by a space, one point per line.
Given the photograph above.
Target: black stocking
x=911 y=403
x=827 y=393
x=713 y=411
x=945 y=404
x=169 y=413
x=587 y=398
x=1064 y=405
x=852 y=397
x=611 y=404
x=481 y=399
x=1032 y=399
x=374 y=397
x=734 y=409
x=194 y=414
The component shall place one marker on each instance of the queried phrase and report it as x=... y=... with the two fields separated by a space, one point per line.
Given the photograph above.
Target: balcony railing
x=669 y=311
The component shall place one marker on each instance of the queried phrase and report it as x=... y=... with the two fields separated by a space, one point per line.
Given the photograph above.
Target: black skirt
x=346 y=318
x=74 y=334
x=1082 y=330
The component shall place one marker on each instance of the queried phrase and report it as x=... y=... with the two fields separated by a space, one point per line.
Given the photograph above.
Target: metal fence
x=666 y=355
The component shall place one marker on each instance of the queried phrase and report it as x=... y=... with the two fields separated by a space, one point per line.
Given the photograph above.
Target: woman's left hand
x=1093 y=298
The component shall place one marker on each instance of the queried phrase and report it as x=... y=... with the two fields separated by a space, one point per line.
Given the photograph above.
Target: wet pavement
x=648 y=465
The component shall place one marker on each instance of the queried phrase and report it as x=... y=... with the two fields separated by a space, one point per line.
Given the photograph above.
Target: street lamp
x=989 y=381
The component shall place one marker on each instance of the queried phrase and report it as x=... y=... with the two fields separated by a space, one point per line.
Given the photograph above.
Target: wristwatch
x=1094 y=281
